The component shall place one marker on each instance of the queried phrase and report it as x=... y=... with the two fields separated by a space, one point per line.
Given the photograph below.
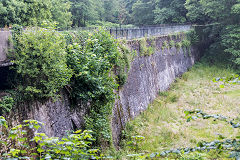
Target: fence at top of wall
x=147 y=31
x=137 y=32
x=140 y=32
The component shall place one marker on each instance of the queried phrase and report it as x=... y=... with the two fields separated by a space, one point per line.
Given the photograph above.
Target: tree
x=37 y=12
x=143 y=12
x=110 y=10
x=224 y=17
x=195 y=12
x=170 y=11
x=34 y=12
x=12 y=12
x=123 y=14
x=61 y=13
x=83 y=11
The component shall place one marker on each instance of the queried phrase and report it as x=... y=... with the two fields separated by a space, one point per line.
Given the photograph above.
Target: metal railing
x=147 y=31
x=137 y=32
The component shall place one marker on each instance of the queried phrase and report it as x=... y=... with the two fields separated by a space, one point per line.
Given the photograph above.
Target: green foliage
x=186 y=44
x=126 y=57
x=170 y=12
x=34 y=12
x=142 y=11
x=94 y=57
x=61 y=13
x=169 y=97
x=82 y=11
x=193 y=37
x=18 y=143
x=91 y=63
x=145 y=48
x=165 y=45
x=172 y=44
x=157 y=11
x=230 y=146
x=195 y=12
x=91 y=67
x=6 y=104
x=178 y=45
x=40 y=60
x=134 y=143
x=14 y=142
x=98 y=13
x=164 y=93
x=223 y=33
x=231 y=43
x=233 y=79
x=75 y=146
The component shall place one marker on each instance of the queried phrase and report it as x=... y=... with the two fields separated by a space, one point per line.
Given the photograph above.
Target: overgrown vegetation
x=90 y=65
x=145 y=49
x=99 y=68
x=40 y=57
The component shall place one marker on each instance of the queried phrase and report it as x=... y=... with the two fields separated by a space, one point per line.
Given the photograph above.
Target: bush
x=91 y=62
x=40 y=60
x=94 y=61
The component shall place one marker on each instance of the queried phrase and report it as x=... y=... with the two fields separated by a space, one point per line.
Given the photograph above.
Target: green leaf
x=221 y=86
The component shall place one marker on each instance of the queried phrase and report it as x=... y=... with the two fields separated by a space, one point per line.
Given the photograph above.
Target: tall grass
x=164 y=125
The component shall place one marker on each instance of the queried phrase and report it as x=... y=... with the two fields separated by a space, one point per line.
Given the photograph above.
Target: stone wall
x=57 y=115
x=149 y=75
x=3 y=45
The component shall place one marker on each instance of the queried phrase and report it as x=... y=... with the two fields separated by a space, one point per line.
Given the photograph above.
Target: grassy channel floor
x=164 y=124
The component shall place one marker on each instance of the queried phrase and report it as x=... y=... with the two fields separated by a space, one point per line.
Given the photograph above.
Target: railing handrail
x=136 y=32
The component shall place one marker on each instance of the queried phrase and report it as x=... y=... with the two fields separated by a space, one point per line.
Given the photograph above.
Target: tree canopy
x=223 y=15
x=34 y=12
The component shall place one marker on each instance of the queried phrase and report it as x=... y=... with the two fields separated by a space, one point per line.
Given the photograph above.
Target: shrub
x=40 y=60
x=93 y=61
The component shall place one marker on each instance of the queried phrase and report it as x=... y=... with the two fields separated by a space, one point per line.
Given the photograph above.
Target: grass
x=164 y=124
